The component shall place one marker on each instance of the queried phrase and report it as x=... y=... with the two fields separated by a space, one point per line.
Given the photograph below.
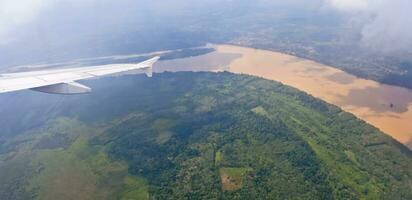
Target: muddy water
x=387 y=107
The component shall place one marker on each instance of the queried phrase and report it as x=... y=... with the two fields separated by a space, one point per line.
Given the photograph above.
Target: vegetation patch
x=260 y=111
x=351 y=156
x=162 y=126
x=218 y=157
x=232 y=178
x=134 y=189
x=54 y=142
x=205 y=103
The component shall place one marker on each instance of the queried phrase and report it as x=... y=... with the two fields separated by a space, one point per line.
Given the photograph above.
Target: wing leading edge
x=63 y=81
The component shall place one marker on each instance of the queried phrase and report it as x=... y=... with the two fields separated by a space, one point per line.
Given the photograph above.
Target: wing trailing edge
x=64 y=88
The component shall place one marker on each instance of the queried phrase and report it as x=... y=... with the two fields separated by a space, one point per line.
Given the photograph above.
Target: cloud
x=349 y=5
x=13 y=14
x=391 y=28
x=386 y=25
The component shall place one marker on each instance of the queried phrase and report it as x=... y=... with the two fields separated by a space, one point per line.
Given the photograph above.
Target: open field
x=232 y=178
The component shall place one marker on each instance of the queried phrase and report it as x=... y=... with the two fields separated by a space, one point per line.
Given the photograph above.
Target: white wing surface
x=62 y=81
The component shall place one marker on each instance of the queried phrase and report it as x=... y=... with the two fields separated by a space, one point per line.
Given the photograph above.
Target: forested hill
x=194 y=136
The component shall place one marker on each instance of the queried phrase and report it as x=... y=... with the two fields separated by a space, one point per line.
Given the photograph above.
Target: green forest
x=192 y=135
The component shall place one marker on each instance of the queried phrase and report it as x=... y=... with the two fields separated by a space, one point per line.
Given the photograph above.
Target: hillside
x=193 y=136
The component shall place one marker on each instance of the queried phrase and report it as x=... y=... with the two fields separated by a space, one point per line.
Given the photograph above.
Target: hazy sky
x=17 y=14
x=386 y=24
x=383 y=24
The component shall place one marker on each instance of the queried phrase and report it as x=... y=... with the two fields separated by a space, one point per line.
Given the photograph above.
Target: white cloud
x=387 y=24
x=391 y=28
x=16 y=13
x=349 y=5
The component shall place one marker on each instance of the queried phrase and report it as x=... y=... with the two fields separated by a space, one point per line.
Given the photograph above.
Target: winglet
x=149 y=64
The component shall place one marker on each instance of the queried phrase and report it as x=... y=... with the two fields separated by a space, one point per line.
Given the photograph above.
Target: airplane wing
x=63 y=81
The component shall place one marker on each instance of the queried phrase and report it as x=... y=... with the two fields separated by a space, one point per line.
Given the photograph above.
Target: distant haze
x=33 y=31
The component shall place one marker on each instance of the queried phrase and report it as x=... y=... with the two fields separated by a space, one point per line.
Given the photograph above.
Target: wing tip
x=149 y=63
x=154 y=59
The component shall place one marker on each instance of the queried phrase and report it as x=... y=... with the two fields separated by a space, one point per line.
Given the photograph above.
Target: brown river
x=387 y=107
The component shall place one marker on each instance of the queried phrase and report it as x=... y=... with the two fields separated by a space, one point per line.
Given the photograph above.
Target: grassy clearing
x=352 y=157
x=260 y=111
x=205 y=104
x=232 y=178
x=81 y=171
x=218 y=157
x=162 y=126
x=134 y=189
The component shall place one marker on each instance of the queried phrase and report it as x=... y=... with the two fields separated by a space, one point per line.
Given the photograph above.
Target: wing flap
x=64 y=88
